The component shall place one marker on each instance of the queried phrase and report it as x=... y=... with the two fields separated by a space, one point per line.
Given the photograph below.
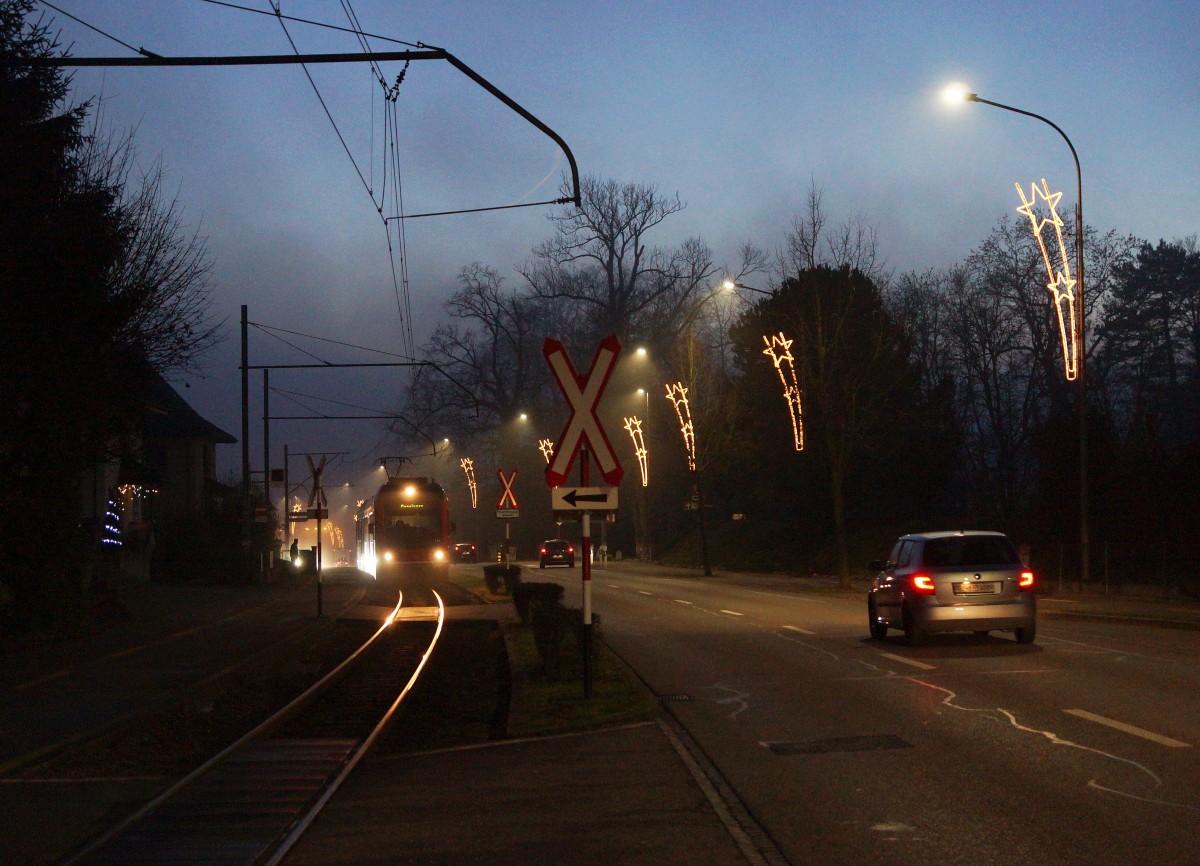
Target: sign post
x=583 y=432
x=317 y=495
x=507 y=509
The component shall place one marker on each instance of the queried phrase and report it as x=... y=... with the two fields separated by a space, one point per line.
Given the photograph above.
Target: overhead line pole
x=427 y=53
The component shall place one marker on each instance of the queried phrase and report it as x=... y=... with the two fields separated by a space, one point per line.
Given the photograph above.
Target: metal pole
x=586 y=553
x=288 y=527
x=245 y=408
x=1082 y=317
x=266 y=440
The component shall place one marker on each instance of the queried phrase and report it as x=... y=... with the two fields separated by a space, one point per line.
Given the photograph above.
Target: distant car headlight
x=439 y=554
x=388 y=556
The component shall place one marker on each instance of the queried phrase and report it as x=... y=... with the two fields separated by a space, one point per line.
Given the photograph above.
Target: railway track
x=251 y=802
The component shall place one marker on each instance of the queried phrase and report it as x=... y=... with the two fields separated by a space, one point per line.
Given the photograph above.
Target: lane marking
x=797 y=628
x=732 y=612
x=1129 y=729
x=613 y=586
x=681 y=601
x=643 y=592
x=46 y=679
x=913 y=662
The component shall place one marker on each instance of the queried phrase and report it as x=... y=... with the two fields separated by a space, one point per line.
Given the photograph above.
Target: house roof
x=170 y=415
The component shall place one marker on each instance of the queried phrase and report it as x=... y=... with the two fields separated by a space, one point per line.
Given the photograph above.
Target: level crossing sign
x=583 y=396
x=508 y=499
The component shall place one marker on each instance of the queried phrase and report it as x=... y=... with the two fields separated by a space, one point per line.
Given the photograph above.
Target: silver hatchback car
x=952 y=581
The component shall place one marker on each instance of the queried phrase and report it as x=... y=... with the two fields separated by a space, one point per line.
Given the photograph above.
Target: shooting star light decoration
x=634 y=426
x=468 y=466
x=1061 y=285
x=547 y=448
x=677 y=394
x=791 y=389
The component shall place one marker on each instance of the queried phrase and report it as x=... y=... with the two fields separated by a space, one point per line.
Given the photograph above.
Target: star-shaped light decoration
x=677 y=394
x=468 y=466
x=779 y=350
x=547 y=448
x=634 y=426
x=1060 y=284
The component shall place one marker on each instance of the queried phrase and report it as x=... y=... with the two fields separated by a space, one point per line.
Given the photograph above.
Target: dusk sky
x=739 y=107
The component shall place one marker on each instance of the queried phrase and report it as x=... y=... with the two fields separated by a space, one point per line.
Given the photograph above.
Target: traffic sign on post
x=508 y=499
x=583 y=498
x=583 y=396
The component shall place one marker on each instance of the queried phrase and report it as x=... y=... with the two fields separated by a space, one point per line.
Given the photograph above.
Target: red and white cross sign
x=583 y=395
x=507 y=496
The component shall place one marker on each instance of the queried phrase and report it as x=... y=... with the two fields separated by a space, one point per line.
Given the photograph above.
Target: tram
x=402 y=534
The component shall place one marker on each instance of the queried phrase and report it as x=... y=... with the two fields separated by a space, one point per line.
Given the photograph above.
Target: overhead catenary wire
x=267 y=328
x=400 y=284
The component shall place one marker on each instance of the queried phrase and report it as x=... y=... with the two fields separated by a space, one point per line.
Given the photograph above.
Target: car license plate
x=969 y=588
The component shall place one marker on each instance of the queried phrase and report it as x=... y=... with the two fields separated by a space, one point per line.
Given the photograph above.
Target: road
x=1083 y=748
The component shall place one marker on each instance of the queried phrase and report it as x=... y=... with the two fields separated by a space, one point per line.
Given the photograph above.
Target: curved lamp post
x=959 y=93
x=731 y=285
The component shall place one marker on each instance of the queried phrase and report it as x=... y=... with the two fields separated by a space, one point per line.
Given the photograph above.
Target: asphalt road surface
x=1079 y=749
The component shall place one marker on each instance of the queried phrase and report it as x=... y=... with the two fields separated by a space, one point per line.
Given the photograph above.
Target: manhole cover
x=839 y=744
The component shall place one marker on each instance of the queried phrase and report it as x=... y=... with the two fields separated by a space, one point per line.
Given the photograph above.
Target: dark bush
x=527 y=596
x=497 y=577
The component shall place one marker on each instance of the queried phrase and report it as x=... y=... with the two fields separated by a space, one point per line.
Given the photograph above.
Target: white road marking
x=913 y=662
x=681 y=601
x=1129 y=729
x=643 y=592
x=797 y=628
x=732 y=612
x=613 y=586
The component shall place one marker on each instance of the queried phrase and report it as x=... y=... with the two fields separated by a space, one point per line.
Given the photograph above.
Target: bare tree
x=600 y=257
x=811 y=242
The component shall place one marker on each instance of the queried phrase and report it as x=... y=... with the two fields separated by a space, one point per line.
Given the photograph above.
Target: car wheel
x=1027 y=634
x=541 y=564
x=878 y=629
x=914 y=635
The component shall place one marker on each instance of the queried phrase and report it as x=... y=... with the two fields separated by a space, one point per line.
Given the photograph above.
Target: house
x=160 y=485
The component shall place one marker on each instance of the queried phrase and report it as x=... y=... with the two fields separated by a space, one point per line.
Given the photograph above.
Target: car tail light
x=570 y=550
x=543 y=551
x=922 y=584
x=1026 y=581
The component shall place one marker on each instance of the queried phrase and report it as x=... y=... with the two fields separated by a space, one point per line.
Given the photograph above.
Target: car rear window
x=973 y=550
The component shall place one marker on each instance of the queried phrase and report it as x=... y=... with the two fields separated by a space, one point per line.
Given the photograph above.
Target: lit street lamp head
x=958 y=92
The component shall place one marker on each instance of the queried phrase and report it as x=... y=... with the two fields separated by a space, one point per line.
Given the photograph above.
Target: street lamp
x=730 y=285
x=960 y=93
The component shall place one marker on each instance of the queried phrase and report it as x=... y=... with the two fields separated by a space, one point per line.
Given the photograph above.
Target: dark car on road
x=556 y=551
x=464 y=552
x=952 y=581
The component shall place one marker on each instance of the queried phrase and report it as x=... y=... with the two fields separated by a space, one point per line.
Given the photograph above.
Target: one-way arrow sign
x=583 y=499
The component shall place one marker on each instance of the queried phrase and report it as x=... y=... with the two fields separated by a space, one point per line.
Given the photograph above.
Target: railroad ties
x=249 y=804
x=237 y=811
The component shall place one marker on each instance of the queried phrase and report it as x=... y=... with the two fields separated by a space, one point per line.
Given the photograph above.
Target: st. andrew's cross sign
x=583 y=396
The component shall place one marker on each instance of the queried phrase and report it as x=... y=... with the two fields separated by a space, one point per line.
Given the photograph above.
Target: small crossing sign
x=508 y=499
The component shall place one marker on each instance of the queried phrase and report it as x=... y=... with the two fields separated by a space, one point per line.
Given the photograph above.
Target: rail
x=267 y=844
